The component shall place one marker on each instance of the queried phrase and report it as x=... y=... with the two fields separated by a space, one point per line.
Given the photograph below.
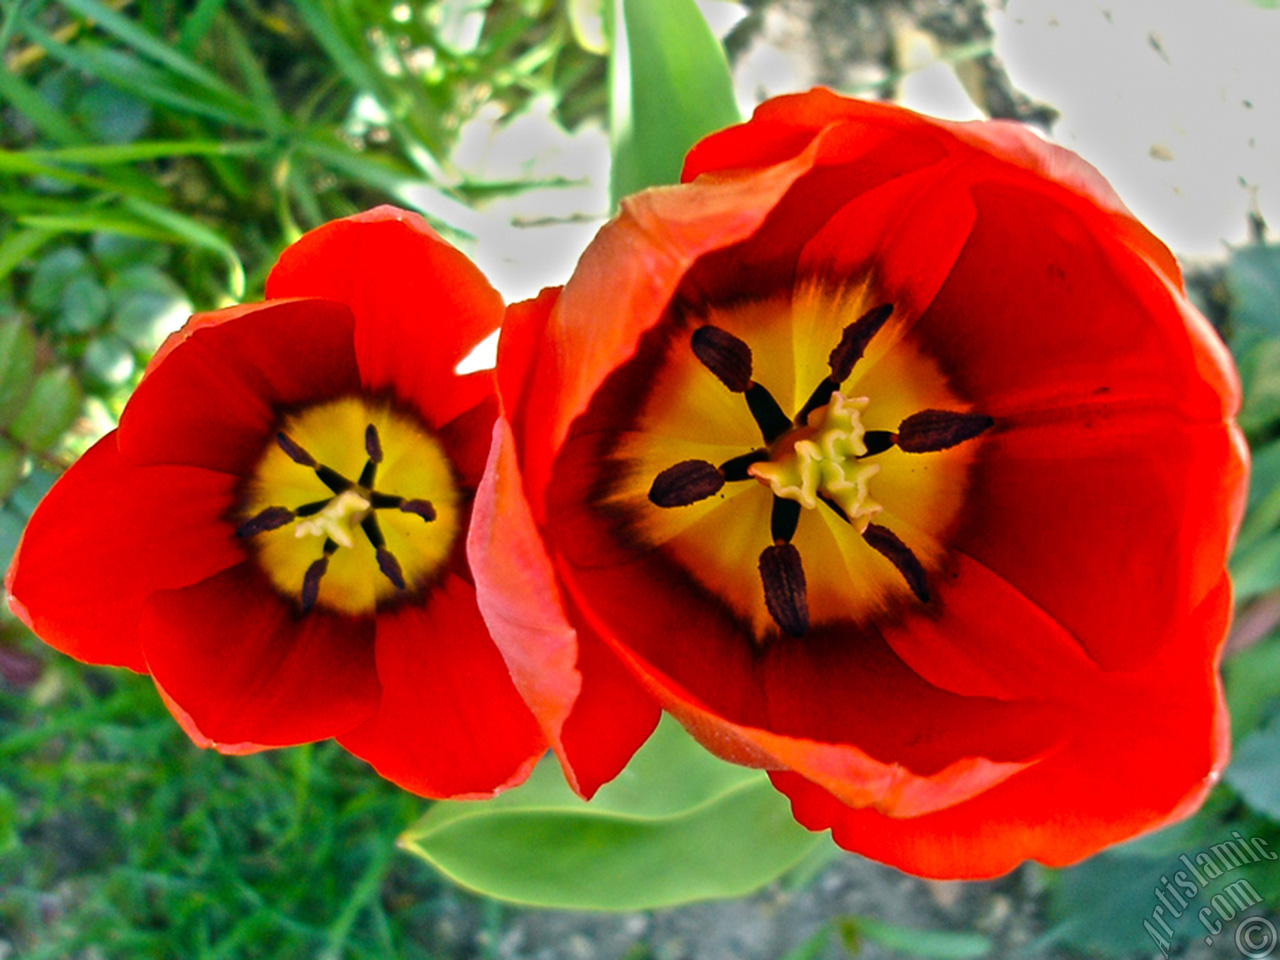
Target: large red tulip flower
x=888 y=455
x=276 y=531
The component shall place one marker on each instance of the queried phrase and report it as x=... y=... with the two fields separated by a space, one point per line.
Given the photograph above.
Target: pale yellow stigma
x=353 y=504
x=819 y=461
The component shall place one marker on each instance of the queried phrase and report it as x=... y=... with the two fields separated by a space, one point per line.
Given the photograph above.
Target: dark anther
x=272 y=518
x=783 y=519
x=736 y=468
x=687 y=482
x=885 y=542
x=421 y=508
x=724 y=355
x=372 y=443
x=311 y=579
x=390 y=567
x=312 y=508
x=293 y=451
x=931 y=430
x=854 y=340
x=311 y=582
x=878 y=441
x=784 y=590
x=853 y=343
x=769 y=417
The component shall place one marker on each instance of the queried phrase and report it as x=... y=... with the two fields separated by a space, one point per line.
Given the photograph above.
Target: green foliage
x=119 y=839
x=926 y=944
x=669 y=87
x=677 y=825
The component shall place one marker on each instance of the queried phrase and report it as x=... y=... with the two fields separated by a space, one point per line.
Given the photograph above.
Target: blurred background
x=155 y=158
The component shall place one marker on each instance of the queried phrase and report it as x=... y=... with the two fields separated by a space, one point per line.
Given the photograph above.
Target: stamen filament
x=784 y=518
x=737 y=468
x=769 y=417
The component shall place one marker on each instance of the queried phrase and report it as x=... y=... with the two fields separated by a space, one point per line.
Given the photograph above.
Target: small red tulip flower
x=276 y=531
x=888 y=455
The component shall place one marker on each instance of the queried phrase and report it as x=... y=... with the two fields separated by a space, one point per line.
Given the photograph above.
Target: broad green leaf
x=17 y=367
x=1252 y=679
x=55 y=271
x=50 y=408
x=1257 y=570
x=932 y=944
x=13 y=463
x=20 y=244
x=1254 y=772
x=677 y=825
x=669 y=86
x=108 y=361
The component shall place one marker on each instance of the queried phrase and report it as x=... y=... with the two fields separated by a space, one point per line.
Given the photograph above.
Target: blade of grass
x=129 y=33
x=197 y=24
x=40 y=113
x=196 y=234
x=259 y=87
x=138 y=151
x=144 y=80
x=19 y=245
x=23 y=164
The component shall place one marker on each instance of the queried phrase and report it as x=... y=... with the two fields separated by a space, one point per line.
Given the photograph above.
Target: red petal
x=213 y=397
x=783 y=127
x=450 y=723
x=420 y=304
x=1152 y=746
x=246 y=668
x=593 y=714
x=909 y=229
x=1019 y=145
x=1042 y=312
x=1073 y=513
x=628 y=274
x=106 y=536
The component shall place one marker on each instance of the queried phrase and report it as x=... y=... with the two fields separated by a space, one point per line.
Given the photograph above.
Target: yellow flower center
x=855 y=440
x=353 y=504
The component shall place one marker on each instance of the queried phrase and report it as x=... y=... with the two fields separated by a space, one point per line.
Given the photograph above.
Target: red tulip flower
x=276 y=531
x=888 y=455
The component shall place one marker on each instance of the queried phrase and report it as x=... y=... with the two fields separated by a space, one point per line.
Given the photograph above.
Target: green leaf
x=932 y=944
x=669 y=86
x=13 y=463
x=677 y=825
x=1253 y=284
x=84 y=305
x=1254 y=772
x=17 y=367
x=1257 y=570
x=108 y=361
x=20 y=244
x=1252 y=679
x=53 y=274
x=50 y=409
